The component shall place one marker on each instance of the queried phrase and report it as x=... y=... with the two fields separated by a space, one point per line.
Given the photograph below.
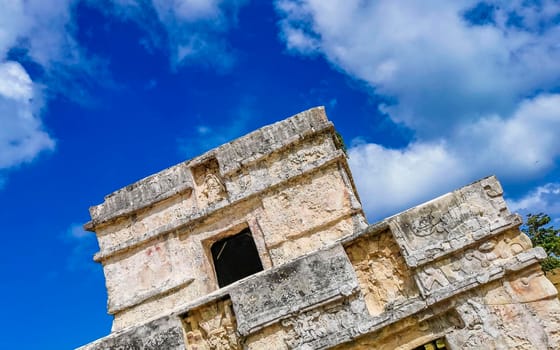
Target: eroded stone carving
x=475 y=265
x=316 y=328
x=457 y=219
x=454 y=221
x=481 y=330
x=209 y=186
x=305 y=328
x=407 y=333
x=430 y=276
x=212 y=327
x=384 y=278
x=431 y=223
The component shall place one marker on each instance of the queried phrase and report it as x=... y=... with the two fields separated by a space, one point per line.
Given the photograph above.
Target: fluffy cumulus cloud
x=515 y=148
x=543 y=199
x=42 y=33
x=21 y=136
x=42 y=28
x=195 y=29
x=38 y=29
x=386 y=178
x=474 y=80
x=438 y=64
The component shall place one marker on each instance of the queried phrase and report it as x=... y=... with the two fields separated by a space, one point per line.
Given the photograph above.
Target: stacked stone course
x=455 y=272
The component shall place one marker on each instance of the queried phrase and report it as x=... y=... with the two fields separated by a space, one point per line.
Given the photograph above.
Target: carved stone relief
x=435 y=225
x=480 y=262
x=480 y=331
x=494 y=323
x=209 y=186
x=494 y=192
x=408 y=333
x=303 y=154
x=317 y=328
x=514 y=313
x=383 y=276
x=212 y=327
x=453 y=221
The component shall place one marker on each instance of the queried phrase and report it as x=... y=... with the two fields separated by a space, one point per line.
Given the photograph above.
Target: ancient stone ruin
x=262 y=243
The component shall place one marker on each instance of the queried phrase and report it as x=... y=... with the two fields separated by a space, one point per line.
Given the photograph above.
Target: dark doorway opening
x=438 y=344
x=235 y=257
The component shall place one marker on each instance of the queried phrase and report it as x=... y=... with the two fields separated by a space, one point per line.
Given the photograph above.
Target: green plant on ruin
x=341 y=143
x=542 y=234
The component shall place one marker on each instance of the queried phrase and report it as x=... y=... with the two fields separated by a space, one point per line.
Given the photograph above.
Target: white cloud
x=41 y=28
x=519 y=146
x=22 y=136
x=40 y=31
x=391 y=180
x=515 y=148
x=479 y=97
x=43 y=32
x=15 y=83
x=437 y=66
x=542 y=199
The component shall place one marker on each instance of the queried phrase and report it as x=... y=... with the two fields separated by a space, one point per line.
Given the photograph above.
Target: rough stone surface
x=383 y=276
x=212 y=327
x=455 y=271
x=164 y=333
x=451 y=222
x=294 y=286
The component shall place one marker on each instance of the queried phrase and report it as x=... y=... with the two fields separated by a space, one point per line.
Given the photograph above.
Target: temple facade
x=262 y=243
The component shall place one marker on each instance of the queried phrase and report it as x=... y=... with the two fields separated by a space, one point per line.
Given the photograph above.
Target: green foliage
x=340 y=141
x=550 y=263
x=541 y=233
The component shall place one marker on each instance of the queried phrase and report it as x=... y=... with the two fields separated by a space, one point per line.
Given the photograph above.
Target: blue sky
x=95 y=95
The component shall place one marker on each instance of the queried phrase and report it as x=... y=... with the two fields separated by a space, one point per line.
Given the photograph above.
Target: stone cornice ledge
x=114 y=308
x=199 y=215
x=231 y=156
x=422 y=309
x=442 y=249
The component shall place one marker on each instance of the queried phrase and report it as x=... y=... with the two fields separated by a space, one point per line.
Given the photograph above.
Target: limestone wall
x=288 y=183
x=455 y=271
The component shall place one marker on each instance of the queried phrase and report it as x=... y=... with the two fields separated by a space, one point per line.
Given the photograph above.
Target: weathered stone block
x=451 y=222
x=294 y=286
x=385 y=280
x=164 y=333
x=212 y=326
